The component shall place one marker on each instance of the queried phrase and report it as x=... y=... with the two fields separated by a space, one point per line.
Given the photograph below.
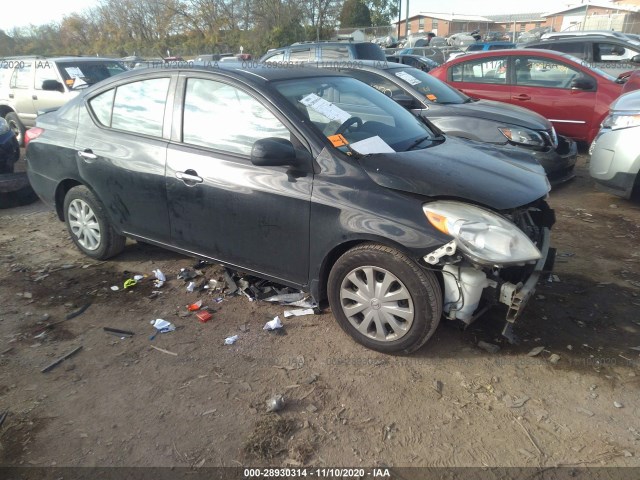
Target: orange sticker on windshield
x=432 y=97
x=338 y=140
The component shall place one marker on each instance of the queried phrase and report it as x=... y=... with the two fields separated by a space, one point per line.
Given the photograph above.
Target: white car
x=615 y=152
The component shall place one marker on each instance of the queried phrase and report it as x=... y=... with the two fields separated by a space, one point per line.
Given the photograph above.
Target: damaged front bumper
x=471 y=289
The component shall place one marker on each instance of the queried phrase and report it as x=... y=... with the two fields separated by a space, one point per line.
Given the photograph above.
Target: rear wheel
x=383 y=299
x=89 y=225
x=16 y=126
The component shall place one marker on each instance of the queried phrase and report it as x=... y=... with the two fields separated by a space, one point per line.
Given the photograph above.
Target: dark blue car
x=9 y=148
x=486 y=46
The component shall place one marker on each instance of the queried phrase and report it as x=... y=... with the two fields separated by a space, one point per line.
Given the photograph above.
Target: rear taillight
x=31 y=134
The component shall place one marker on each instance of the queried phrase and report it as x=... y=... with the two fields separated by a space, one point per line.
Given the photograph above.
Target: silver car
x=615 y=152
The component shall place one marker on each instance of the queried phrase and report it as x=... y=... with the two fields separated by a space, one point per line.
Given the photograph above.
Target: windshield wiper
x=418 y=142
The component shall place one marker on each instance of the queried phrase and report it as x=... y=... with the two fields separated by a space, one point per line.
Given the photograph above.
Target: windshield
x=348 y=112
x=429 y=87
x=80 y=73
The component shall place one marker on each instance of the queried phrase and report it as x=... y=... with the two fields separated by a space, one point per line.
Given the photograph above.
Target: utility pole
x=399 y=17
x=406 y=31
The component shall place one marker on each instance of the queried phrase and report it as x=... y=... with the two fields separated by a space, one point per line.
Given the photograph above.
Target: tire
x=17 y=126
x=365 y=317
x=15 y=190
x=89 y=226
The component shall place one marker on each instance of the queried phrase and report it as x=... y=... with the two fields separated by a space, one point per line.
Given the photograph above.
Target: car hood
x=463 y=169
x=498 y=112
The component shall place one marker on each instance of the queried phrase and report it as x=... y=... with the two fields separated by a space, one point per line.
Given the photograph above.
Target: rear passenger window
x=492 y=70
x=334 y=53
x=138 y=107
x=101 y=107
x=302 y=55
x=22 y=77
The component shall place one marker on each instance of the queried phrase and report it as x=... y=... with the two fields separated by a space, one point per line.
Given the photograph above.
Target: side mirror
x=273 y=152
x=583 y=83
x=635 y=59
x=52 y=86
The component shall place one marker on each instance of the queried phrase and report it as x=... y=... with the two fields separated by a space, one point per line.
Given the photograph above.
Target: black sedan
x=497 y=123
x=317 y=181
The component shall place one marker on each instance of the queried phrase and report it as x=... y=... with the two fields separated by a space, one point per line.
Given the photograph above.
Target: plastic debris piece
x=160 y=278
x=187 y=274
x=618 y=405
x=218 y=300
x=115 y=288
x=231 y=285
x=162 y=326
x=298 y=312
x=488 y=347
x=117 y=332
x=437 y=386
x=231 y=340
x=195 y=306
x=304 y=303
x=535 y=351
x=137 y=278
x=203 y=316
x=129 y=282
x=78 y=312
x=191 y=287
x=286 y=298
x=57 y=362
x=273 y=324
x=635 y=348
x=554 y=358
x=275 y=403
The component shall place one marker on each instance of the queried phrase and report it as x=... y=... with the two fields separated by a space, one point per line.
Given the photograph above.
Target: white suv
x=31 y=84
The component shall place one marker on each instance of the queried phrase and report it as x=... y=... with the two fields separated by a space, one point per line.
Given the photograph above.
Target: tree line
x=152 y=28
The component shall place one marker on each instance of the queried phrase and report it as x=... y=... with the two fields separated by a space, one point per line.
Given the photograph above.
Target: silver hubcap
x=377 y=303
x=84 y=224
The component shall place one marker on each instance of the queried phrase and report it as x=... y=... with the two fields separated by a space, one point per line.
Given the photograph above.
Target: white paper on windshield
x=74 y=72
x=407 y=77
x=372 y=145
x=327 y=109
x=78 y=82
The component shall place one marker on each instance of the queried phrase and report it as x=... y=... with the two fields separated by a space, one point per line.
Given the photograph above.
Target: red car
x=557 y=86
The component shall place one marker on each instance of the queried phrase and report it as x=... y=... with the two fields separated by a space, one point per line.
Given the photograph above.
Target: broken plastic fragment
x=194 y=306
x=298 y=312
x=115 y=288
x=203 y=316
x=137 y=278
x=191 y=287
x=129 y=282
x=160 y=278
x=273 y=324
x=162 y=325
x=231 y=340
x=286 y=297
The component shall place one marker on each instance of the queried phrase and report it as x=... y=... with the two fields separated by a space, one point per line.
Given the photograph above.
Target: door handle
x=522 y=96
x=34 y=97
x=189 y=177
x=11 y=95
x=87 y=154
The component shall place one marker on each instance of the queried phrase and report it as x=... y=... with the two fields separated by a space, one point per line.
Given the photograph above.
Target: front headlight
x=522 y=136
x=486 y=237
x=616 y=121
x=4 y=126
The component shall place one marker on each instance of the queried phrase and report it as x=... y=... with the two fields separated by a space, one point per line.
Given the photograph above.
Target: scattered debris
x=637 y=349
x=286 y=298
x=268 y=437
x=588 y=413
x=209 y=412
x=488 y=347
x=311 y=379
x=203 y=316
x=231 y=340
x=554 y=358
x=129 y=282
x=191 y=287
x=115 y=288
x=3 y=416
x=117 y=332
x=57 y=362
x=161 y=326
x=160 y=278
x=195 y=306
x=535 y=351
x=275 y=403
x=437 y=386
x=618 y=405
x=298 y=312
x=78 y=312
x=231 y=285
x=516 y=402
x=164 y=351
x=273 y=324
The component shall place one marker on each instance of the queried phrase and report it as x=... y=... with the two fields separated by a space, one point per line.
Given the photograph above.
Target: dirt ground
x=120 y=402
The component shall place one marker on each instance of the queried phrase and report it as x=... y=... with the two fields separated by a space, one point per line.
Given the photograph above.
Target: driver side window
x=213 y=111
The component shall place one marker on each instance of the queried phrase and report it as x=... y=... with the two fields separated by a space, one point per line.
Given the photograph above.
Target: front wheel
x=383 y=299
x=89 y=225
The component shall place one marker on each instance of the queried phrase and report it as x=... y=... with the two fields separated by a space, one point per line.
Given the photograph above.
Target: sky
x=45 y=12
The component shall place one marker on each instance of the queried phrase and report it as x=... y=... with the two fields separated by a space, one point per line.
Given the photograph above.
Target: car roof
x=582 y=39
x=258 y=73
x=512 y=52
